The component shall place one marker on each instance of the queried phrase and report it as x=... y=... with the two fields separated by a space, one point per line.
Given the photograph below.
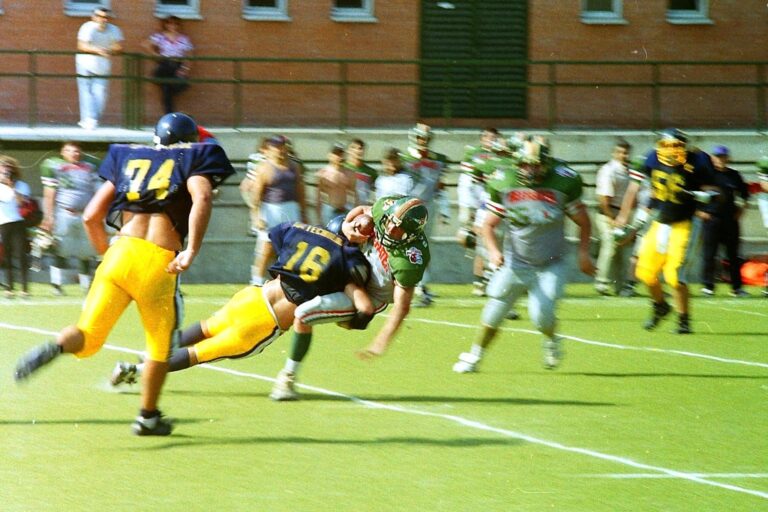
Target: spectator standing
x=365 y=175
x=610 y=184
x=721 y=223
x=393 y=180
x=277 y=195
x=335 y=187
x=166 y=192
x=172 y=48
x=254 y=160
x=97 y=41
x=12 y=227
x=69 y=183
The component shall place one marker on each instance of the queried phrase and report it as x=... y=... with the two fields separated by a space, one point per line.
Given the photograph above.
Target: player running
x=156 y=197
x=531 y=194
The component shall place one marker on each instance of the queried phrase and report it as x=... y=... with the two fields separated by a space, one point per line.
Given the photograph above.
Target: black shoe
x=683 y=325
x=155 y=426
x=659 y=312
x=35 y=358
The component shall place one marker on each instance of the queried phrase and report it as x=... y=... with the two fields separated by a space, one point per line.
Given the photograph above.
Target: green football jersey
x=535 y=214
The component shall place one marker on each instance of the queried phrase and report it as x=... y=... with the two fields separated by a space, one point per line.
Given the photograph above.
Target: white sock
x=56 y=276
x=477 y=350
x=84 y=280
x=292 y=366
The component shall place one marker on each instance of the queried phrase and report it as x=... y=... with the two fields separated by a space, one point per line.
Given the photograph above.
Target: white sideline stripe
x=629 y=476
x=604 y=344
x=693 y=477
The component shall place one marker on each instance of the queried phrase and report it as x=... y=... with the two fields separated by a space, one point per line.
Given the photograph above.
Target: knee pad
x=494 y=312
x=500 y=283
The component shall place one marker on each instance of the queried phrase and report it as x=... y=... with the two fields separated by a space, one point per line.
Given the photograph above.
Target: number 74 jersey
x=153 y=179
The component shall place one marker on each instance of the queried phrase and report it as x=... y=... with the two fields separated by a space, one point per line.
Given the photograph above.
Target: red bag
x=30 y=210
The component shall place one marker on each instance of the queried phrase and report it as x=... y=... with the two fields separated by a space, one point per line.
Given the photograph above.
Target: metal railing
x=557 y=88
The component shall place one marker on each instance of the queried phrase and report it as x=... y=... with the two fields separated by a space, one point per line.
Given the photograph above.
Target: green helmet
x=398 y=220
x=762 y=163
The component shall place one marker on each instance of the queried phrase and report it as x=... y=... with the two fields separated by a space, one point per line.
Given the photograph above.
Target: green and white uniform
x=365 y=178
x=535 y=215
x=534 y=241
x=75 y=184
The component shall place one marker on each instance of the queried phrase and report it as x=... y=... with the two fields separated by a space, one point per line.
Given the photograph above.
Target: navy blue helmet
x=334 y=225
x=176 y=127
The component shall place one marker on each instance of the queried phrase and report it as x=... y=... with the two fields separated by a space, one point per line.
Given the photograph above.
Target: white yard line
x=630 y=476
x=670 y=473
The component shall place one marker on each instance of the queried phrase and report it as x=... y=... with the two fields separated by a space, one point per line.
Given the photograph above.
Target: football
x=364 y=224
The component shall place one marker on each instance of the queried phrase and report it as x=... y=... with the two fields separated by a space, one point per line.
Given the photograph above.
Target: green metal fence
x=558 y=86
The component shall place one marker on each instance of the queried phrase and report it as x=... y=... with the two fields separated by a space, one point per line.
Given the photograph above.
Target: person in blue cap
x=721 y=224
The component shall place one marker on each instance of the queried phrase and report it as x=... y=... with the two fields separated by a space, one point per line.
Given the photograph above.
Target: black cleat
x=659 y=312
x=155 y=426
x=35 y=358
x=683 y=325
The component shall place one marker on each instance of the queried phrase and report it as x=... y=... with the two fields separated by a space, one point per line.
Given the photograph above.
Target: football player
x=69 y=182
x=156 y=197
x=426 y=167
x=398 y=253
x=531 y=199
x=470 y=190
x=310 y=261
x=677 y=176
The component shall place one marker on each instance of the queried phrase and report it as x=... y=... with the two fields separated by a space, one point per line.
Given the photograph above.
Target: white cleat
x=553 y=353
x=123 y=373
x=283 y=390
x=467 y=363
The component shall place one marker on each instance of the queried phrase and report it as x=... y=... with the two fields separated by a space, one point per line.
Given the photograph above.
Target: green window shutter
x=471 y=30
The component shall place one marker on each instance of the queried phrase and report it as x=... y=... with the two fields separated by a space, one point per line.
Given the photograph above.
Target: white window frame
x=363 y=14
x=84 y=8
x=613 y=17
x=191 y=11
x=698 y=16
x=277 y=13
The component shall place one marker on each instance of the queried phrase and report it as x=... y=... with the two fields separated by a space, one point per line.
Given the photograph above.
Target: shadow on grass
x=182 y=441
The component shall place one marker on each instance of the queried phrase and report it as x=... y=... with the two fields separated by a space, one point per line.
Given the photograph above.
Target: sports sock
x=191 y=335
x=292 y=366
x=301 y=342
x=179 y=360
x=477 y=350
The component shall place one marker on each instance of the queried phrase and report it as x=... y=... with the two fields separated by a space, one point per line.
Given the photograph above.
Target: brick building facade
x=731 y=32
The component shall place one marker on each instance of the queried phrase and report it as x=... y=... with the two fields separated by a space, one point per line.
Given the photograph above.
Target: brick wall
x=555 y=31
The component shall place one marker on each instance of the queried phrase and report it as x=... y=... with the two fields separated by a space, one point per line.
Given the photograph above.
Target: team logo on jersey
x=414 y=256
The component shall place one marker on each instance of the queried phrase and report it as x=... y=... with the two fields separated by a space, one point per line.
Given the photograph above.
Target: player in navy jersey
x=157 y=197
x=311 y=261
x=678 y=177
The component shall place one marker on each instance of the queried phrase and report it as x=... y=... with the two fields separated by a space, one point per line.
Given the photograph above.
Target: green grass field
x=630 y=421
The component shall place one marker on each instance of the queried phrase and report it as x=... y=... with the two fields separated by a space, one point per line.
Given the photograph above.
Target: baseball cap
x=338 y=148
x=721 y=151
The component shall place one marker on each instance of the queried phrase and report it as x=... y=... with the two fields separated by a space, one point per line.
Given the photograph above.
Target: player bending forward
x=398 y=253
x=310 y=261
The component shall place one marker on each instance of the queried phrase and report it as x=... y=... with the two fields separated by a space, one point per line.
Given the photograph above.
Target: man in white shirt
x=610 y=184
x=97 y=41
